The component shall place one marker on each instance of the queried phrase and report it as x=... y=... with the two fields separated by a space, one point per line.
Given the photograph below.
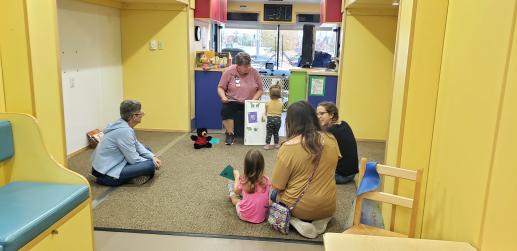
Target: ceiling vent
x=308 y=18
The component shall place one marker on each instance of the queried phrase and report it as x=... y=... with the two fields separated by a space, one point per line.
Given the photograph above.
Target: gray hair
x=128 y=108
x=243 y=59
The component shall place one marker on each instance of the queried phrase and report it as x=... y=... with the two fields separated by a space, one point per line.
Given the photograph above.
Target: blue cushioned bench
x=29 y=208
x=6 y=140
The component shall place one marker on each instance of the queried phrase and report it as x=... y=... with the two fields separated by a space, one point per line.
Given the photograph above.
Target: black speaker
x=309 y=32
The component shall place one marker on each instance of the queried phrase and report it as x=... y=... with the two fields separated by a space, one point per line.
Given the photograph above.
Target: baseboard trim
x=77 y=152
x=220 y=236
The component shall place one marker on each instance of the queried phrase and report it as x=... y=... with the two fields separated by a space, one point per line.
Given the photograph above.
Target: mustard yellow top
x=274 y=108
x=291 y=173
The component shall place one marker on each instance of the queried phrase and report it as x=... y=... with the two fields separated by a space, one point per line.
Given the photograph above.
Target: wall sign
x=316 y=86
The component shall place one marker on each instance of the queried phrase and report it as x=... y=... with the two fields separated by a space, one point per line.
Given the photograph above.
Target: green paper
x=317 y=85
x=228 y=172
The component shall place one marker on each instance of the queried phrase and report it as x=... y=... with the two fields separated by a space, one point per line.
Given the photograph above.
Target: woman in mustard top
x=306 y=145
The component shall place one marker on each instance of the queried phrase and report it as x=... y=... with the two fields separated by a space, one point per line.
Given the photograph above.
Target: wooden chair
x=361 y=229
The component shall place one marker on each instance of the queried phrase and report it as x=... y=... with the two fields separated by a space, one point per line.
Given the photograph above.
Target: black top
x=348 y=164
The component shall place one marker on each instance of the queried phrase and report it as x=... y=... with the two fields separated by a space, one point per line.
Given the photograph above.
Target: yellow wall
x=398 y=105
x=2 y=100
x=46 y=74
x=192 y=57
x=28 y=40
x=455 y=116
x=499 y=230
x=159 y=79
x=15 y=57
x=259 y=8
x=3 y=175
x=421 y=31
x=464 y=146
x=366 y=82
x=401 y=61
x=3 y=171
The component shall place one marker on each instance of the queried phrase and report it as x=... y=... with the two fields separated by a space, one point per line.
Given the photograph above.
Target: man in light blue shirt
x=120 y=158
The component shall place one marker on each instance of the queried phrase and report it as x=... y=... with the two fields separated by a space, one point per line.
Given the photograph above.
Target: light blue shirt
x=118 y=148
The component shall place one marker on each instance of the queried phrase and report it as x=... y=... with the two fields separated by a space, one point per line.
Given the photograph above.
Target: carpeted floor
x=187 y=194
x=373 y=151
x=81 y=163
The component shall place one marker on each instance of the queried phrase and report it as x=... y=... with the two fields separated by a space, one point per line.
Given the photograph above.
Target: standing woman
x=306 y=146
x=238 y=83
x=347 y=166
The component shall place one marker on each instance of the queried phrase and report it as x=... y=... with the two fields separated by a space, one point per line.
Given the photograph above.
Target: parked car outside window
x=233 y=52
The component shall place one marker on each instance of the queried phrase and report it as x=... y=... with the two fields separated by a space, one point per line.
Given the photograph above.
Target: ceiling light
x=395 y=3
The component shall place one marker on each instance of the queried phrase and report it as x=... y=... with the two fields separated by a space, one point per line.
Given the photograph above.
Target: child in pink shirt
x=250 y=193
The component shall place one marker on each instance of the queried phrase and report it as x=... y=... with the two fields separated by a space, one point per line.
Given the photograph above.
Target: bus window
x=259 y=43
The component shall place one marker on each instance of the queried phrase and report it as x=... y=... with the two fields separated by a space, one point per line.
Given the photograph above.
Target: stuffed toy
x=201 y=140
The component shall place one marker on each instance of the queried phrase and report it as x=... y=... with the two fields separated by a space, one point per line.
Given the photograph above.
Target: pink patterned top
x=254 y=206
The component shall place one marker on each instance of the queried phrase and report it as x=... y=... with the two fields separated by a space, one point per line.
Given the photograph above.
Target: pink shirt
x=254 y=206
x=240 y=87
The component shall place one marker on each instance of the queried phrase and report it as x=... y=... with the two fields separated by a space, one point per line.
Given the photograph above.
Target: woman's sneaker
x=230 y=138
x=140 y=180
x=306 y=229
x=230 y=189
x=321 y=225
x=92 y=177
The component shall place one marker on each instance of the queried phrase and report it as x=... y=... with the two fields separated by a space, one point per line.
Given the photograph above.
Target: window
x=290 y=48
x=326 y=41
x=261 y=44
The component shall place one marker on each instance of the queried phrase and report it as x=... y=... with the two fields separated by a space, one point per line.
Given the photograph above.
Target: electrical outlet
x=153 y=45
x=71 y=81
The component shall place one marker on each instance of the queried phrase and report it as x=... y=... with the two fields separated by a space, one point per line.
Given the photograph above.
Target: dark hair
x=253 y=169
x=301 y=120
x=275 y=92
x=243 y=59
x=128 y=108
x=331 y=109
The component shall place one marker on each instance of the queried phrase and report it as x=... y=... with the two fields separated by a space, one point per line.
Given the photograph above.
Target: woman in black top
x=347 y=166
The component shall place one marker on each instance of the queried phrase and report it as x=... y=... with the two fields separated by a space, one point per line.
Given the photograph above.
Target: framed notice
x=316 y=86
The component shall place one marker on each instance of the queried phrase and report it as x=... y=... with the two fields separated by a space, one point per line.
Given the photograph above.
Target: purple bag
x=279 y=216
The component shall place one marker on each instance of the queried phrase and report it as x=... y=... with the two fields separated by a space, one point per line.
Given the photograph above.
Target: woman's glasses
x=321 y=113
x=140 y=114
